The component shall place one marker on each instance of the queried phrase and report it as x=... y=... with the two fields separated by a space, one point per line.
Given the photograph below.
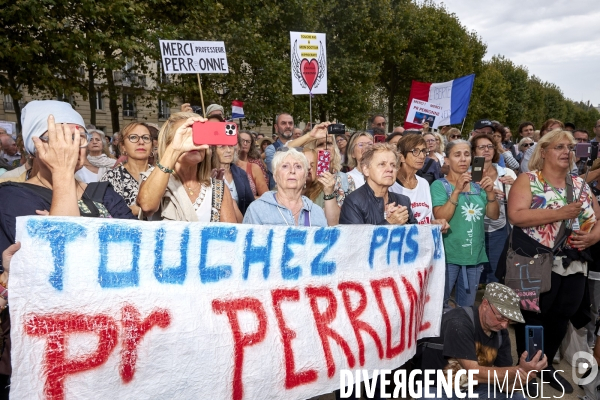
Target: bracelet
x=164 y=169
x=491 y=201
x=4 y=293
x=329 y=196
x=452 y=202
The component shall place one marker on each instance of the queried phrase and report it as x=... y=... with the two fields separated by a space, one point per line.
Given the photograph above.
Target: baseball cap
x=483 y=123
x=505 y=300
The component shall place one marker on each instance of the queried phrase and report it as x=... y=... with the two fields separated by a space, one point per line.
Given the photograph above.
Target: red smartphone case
x=215 y=133
x=323 y=161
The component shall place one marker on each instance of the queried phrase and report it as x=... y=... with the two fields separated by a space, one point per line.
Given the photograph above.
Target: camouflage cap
x=505 y=300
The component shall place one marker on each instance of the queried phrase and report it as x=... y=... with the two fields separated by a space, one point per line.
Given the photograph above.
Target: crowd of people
x=534 y=196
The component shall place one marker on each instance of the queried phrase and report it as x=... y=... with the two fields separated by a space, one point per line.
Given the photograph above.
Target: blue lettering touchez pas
x=313 y=246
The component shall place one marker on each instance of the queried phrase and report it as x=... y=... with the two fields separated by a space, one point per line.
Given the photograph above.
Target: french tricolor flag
x=453 y=96
x=237 y=109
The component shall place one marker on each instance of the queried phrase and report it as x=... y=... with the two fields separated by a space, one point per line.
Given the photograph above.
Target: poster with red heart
x=309 y=63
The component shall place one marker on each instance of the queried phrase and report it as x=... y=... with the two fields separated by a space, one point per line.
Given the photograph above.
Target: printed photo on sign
x=191 y=57
x=422 y=111
x=309 y=63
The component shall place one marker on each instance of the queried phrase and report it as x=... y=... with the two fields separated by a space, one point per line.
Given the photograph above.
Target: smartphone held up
x=215 y=133
x=477 y=169
x=323 y=161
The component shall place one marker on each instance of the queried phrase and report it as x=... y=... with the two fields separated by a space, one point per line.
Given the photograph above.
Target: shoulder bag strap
x=563 y=232
x=428 y=165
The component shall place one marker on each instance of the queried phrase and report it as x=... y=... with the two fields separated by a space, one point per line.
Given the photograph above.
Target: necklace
x=189 y=188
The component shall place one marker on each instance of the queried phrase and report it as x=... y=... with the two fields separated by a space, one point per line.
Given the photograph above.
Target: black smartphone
x=477 y=169
x=534 y=340
x=336 y=129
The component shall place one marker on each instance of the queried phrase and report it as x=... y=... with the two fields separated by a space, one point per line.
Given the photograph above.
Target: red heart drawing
x=309 y=71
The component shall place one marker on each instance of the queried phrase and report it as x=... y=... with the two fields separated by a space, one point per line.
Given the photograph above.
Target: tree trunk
x=15 y=93
x=91 y=93
x=113 y=95
x=391 y=96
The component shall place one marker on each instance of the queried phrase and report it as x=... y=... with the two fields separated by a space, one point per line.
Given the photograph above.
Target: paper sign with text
x=309 y=63
x=422 y=111
x=191 y=57
x=131 y=309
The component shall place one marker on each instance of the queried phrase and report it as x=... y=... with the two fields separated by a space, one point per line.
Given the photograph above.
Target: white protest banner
x=308 y=53
x=422 y=111
x=130 y=309
x=192 y=57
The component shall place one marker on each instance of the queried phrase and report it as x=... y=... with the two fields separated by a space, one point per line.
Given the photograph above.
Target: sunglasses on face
x=455 y=136
x=527 y=144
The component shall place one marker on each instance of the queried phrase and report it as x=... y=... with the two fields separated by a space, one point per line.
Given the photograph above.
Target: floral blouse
x=545 y=196
x=123 y=183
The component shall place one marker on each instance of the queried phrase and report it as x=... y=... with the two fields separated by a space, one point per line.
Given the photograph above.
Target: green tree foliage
x=375 y=49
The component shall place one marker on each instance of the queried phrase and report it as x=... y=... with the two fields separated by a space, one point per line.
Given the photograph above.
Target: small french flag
x=237 y=109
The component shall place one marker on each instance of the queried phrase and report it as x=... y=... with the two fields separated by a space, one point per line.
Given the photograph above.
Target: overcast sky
x=557 y=40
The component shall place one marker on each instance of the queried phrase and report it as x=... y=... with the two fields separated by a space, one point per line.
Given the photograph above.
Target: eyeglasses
x=246 y=141
x=95 y=139
x=430 y=141
x=364 y=144
x=85 y=139
x=341 y=139
x=221 y=146
x=527 y=144
x=136 y=138
x=499 y=317
x=486 y=146
x=455 y=136
x=562 y=147
x=416 y=152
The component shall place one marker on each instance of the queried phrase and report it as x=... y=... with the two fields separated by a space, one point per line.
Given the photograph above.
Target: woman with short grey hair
x=286 y=206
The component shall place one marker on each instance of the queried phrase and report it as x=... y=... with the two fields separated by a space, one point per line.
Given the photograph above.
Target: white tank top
x=420 y=199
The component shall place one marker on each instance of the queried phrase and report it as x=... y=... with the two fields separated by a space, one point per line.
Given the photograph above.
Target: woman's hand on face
x=487 y=184
x=320 y=130
x=571 y=211
x=582 y=240
x=463 y=181
x=507 y=180
x=445 y=225
x=183 y=140
x=61 y=152
x=328 y=182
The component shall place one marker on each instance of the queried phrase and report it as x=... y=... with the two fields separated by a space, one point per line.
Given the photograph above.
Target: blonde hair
x=441 y=146
x=165 y=137
x=536 y=162
x=352 y=162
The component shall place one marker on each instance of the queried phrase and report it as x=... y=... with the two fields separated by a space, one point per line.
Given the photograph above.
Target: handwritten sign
x=132 y=309
x=192 y=57
x=422 y=111
x=309 y=63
